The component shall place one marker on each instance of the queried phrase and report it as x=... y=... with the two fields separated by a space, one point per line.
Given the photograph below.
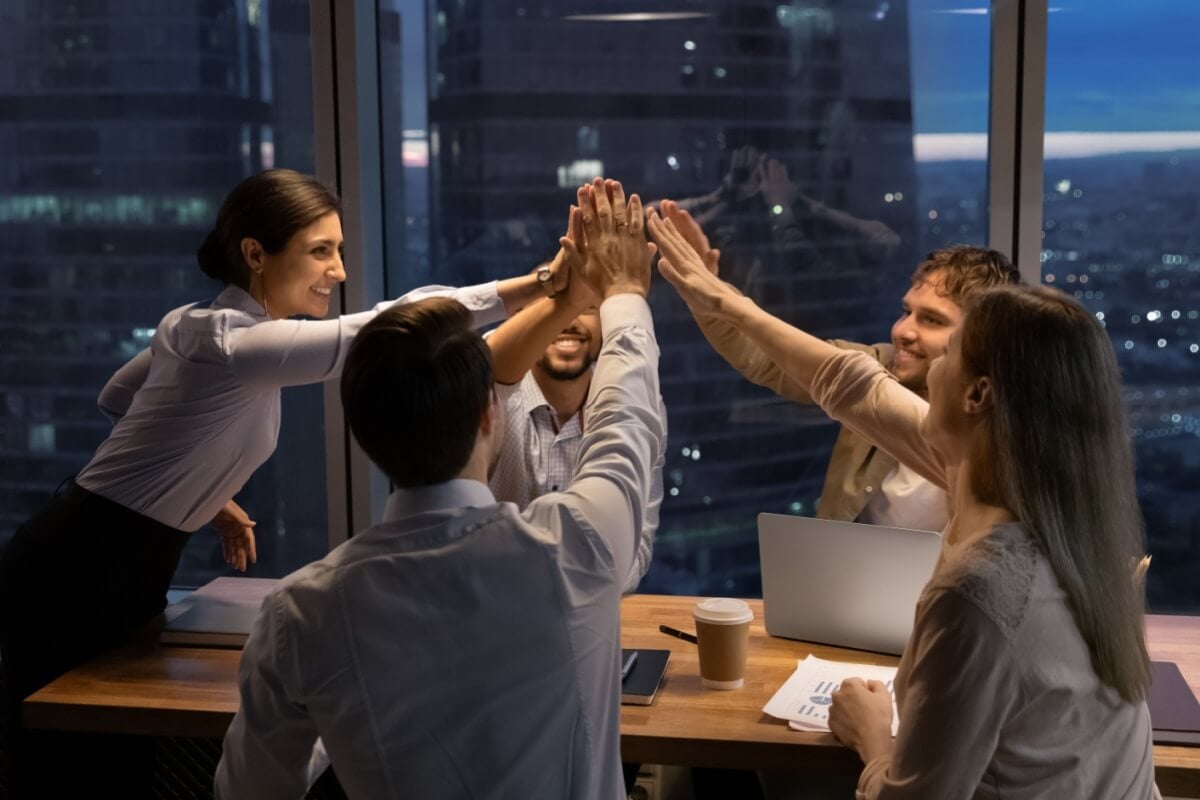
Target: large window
x=125 y=123
x=821 y=144
x=1122 y=233
x=825 y=145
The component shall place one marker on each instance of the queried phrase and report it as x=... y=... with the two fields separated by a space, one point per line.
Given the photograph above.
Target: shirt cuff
x=625 y=310
x=871 y=779
x=483 y=302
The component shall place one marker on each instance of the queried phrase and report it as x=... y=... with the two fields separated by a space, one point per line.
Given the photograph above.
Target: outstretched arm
x=623 y=431
x=796 y=353
x=851 y=387
x=742 y=353
x=520 y=341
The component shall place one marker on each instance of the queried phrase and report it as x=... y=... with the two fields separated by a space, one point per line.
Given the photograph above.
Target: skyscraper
x=124 y=125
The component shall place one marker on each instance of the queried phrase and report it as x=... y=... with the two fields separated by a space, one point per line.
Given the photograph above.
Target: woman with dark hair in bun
x=195 y=414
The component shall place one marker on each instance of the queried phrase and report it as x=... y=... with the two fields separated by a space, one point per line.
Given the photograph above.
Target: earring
x=262 y=289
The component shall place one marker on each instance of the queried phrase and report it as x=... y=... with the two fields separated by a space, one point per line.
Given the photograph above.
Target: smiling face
x=571 y=354
x=300 y=278
x=923 y=331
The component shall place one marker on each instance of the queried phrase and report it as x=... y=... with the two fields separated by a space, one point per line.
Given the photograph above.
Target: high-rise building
x=124 y=124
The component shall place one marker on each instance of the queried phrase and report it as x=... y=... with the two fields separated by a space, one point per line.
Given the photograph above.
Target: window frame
x=349 y=156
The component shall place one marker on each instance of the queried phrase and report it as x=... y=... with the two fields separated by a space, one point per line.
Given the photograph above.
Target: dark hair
x=415 y=385
x=961 y=270
x=270 y=207
x=1056 y=452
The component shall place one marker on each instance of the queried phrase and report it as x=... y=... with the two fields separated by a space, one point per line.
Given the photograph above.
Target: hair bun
x=211 y=258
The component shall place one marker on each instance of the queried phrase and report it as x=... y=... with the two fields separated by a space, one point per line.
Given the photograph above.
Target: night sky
x=1112 y=65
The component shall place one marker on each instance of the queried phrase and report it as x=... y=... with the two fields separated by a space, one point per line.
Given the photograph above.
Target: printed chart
x=805 y=698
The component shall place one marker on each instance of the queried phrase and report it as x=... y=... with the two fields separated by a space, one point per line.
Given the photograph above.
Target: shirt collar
x=531 y=394
x=235 y=297
x=532 y=399
x=454 y=494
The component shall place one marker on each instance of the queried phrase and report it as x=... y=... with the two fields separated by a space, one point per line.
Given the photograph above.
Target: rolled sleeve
x=482 y=300
x=857 y=391
x=622 y=441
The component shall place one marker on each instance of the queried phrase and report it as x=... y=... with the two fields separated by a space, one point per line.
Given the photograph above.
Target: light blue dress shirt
x=198 y=411
x=463 y=648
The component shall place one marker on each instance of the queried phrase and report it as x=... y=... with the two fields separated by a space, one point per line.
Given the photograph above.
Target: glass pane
x=868 y=117
x=1122 y=233
x=126 y=122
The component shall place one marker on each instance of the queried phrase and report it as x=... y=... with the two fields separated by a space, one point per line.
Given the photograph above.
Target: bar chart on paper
x=805 y=698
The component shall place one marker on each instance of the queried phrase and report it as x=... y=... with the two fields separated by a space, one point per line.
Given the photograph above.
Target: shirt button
x=554 y=488
x=870 y=489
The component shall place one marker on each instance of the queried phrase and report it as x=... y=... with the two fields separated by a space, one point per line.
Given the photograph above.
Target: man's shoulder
x=522 y=396
x=881 y=352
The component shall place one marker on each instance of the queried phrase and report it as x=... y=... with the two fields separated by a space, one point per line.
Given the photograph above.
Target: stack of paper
x=805 y=697
x=219 y=614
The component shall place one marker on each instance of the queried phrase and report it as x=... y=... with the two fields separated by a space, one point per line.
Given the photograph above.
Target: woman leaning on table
x=1027 y=669
x=195 y=415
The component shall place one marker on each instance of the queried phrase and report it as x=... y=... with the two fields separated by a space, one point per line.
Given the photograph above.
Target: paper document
x=805 y=697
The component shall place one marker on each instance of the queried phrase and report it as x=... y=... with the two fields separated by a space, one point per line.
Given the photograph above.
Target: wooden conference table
x=143 y=688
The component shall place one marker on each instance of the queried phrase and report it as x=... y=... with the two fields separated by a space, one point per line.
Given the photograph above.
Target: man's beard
x=569 y=373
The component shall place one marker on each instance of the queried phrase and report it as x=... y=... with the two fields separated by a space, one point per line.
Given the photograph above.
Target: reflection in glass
x=787 y=128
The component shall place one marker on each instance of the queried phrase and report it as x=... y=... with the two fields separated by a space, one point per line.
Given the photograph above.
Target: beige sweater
x=996 y=691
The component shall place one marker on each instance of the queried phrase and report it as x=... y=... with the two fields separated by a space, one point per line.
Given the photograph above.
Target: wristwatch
x=545 y=278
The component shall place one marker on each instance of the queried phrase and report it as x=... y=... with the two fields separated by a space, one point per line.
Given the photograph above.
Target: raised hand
x=687 y=225
x=776 y=187
x=572 y=258
x=685 y=269
x=741 y=181
x=618 y=255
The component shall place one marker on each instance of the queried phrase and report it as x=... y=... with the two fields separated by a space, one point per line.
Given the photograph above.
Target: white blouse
x=198 y=411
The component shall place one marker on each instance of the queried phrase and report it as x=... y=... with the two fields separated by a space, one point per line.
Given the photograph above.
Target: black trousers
x=76 y=579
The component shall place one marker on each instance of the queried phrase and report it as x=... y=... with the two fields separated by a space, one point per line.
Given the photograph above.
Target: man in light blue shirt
x=462 y=647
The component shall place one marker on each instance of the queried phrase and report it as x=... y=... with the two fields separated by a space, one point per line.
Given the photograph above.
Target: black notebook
x=649 y=670
x=1174 y=710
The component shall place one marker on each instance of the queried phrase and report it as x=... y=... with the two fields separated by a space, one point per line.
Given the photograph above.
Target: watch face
x=546 y=280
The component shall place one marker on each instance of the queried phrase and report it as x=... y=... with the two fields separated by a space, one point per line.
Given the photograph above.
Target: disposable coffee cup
x=723 y=631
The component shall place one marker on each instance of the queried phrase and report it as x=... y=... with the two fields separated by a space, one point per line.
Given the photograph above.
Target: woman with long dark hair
x=195 y=414
x=1027 y=669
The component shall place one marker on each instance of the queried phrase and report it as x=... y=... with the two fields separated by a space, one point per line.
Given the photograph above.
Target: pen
x=687 y=637
x=627 y=667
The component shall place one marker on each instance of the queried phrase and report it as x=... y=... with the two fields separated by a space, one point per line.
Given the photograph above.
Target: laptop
x=843 y=583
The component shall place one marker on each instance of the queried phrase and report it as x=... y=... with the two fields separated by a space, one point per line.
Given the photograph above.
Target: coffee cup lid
x=723 y=610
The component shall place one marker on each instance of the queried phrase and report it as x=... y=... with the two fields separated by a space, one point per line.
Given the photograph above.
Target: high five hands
x=688 y=262
x=614 y=253
x=606 y=245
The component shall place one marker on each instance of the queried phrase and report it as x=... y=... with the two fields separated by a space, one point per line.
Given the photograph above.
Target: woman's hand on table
x=861 y=717
x=236 y=530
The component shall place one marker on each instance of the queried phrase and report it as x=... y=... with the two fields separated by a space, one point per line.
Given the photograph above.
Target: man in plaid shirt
x=544 y=390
